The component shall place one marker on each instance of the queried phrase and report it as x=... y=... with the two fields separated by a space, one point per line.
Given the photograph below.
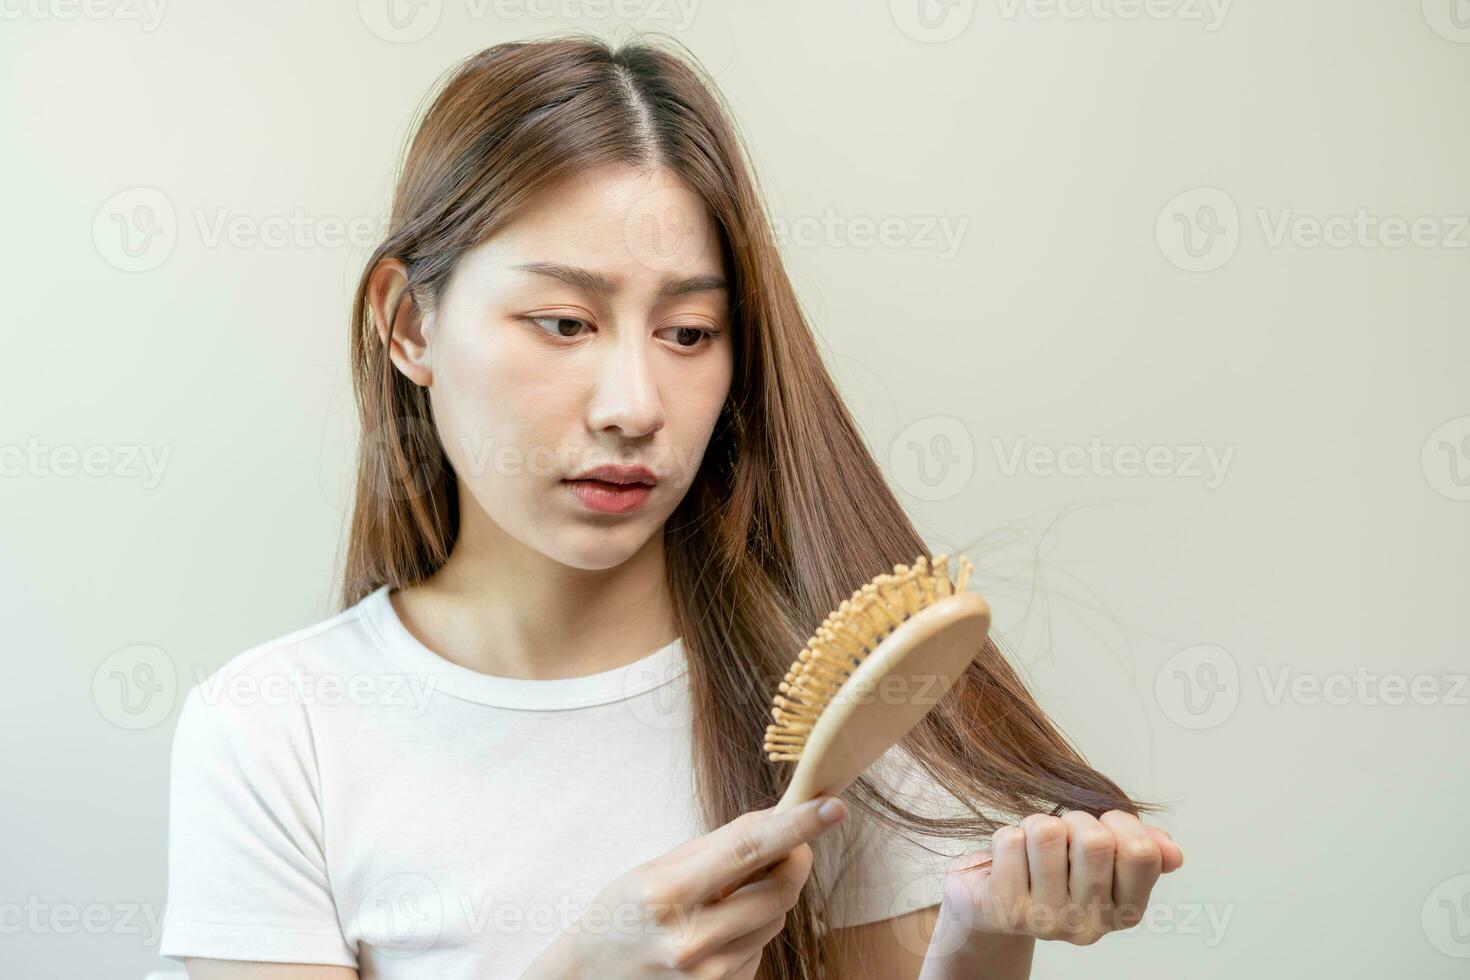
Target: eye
x=689 y=337
x=559 y=325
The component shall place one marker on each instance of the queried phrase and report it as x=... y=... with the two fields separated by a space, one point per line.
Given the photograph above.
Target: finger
x=1046 y=859
x=1010 y=877
x=766 y=868
x=1090 y=867
x=1172 y=854
x=750 y=843
x=769 y=897
x=748 y=969
x=1137 y=864
x=744 y=951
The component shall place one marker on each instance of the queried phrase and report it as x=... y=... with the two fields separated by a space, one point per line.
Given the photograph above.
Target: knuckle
x=1044 y=829
x=1140 y=851
x=656 y=893
x=746 y=847
x=1096 y=844
x=1082 y=825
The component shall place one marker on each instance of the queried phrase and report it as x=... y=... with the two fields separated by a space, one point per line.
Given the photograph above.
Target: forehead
x=629 y=224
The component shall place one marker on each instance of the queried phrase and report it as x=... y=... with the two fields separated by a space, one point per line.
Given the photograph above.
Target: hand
x=1075 y=877
x=691 y=913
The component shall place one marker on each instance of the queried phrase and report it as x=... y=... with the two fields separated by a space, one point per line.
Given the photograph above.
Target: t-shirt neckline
x=663 y=665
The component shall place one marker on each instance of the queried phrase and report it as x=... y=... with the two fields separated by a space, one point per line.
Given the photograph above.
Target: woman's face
x=593 y=330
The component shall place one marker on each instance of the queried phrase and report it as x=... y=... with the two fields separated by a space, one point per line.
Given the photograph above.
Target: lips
x=619 y=476
x=609 y=498
x=612 y=489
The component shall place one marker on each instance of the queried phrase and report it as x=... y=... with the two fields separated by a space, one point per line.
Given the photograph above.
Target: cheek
x=499 y=403
x=693 y=411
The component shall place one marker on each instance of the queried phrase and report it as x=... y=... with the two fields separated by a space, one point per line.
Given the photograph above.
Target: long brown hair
x=789 y=512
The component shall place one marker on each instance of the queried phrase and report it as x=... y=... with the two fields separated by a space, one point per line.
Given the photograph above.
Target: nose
x=626 y=397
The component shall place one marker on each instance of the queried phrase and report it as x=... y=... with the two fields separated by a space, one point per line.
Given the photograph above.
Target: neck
x=503 y=608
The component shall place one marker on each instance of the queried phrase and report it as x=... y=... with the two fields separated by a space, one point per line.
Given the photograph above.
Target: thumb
x=1173 y=856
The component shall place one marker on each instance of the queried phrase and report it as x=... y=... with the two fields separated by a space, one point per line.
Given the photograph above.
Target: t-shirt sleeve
x=247 y=873
x=881 y=872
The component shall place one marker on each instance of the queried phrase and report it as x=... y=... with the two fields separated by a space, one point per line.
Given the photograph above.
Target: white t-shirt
x=344 y=795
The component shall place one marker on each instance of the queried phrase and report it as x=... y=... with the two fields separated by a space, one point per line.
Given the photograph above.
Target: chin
x=593 y=548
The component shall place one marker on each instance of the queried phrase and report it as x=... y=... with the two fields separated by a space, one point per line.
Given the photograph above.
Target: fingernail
x=832 y=811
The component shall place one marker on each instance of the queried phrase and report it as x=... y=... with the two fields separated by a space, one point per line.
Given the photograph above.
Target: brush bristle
x=844 y=640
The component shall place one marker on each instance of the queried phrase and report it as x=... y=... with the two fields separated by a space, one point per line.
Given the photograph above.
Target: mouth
x=612 y=489
x=617 y=476
x=606 y=497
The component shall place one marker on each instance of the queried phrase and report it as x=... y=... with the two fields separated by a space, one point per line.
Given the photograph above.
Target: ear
x=413 y=328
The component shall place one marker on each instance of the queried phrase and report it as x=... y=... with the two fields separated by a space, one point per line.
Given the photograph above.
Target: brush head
x=871 y=672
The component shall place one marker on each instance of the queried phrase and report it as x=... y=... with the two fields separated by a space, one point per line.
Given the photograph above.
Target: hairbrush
x=875 y=667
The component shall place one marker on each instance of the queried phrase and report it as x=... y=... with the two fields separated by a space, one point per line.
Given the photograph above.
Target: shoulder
x=340 y=644
x=260 y=695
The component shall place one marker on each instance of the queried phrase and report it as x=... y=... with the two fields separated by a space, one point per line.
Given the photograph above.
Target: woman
x=606 y=488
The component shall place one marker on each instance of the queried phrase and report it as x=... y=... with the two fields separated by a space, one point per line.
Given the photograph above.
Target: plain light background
x=1188 y=380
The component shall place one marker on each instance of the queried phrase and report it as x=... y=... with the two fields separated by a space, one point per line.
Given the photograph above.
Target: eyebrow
x=596 y=283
